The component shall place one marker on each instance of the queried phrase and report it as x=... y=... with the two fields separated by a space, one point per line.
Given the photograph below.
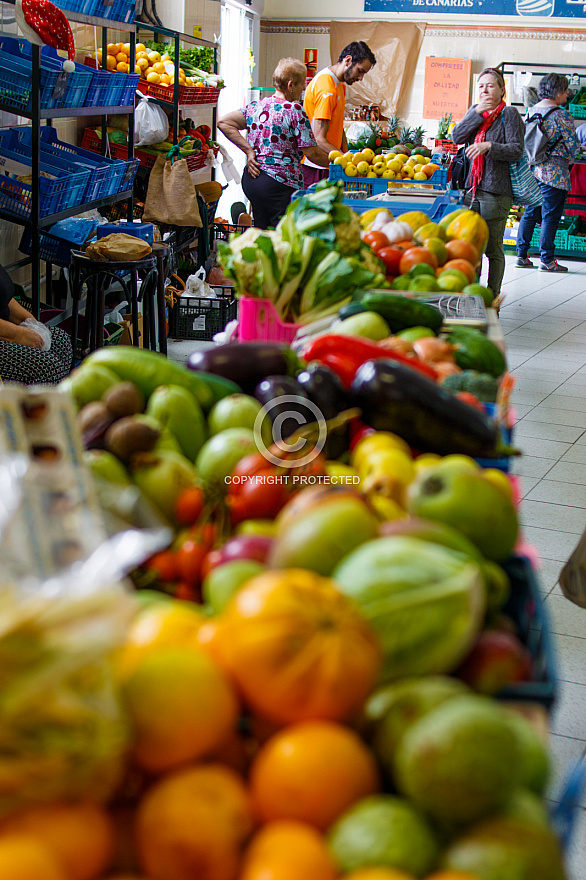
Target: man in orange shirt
x=325 y=103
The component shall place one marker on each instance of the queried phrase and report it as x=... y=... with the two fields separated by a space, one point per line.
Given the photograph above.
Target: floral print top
x=556 y=170
x=278 y=131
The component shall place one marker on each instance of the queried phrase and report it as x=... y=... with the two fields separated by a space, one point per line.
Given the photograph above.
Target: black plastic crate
x=223 y=231
x=195 y=317
x=526 y=607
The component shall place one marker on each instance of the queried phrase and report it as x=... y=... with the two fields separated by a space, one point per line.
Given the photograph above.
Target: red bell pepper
x=350 y=352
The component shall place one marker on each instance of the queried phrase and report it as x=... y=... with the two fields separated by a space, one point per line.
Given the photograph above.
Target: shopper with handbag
x=553 y=173
x=494 y=134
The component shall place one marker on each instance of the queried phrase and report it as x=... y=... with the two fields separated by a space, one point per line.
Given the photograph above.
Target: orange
x=165 y=79
x=153 y=77
x=111 y=62
x=140 y=47
x=462 y=266
x=194 y=823
x=142 y=62
x=22 y=857
x=378 y=874
x=126 y=48
x=113 y=48
x=297 y=648
x=79 y=835
x=163 y=625
x=122 y=67
x=159 y=67
x=181 y=707
x=288 y=851
x=311 y=772
x=122 y=56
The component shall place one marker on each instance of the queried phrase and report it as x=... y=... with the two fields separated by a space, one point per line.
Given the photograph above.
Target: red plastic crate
x=188 y=95
x=92 y=141
x=445 y=146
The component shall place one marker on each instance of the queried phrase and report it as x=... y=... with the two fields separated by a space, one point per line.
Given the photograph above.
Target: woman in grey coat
x=494 y=134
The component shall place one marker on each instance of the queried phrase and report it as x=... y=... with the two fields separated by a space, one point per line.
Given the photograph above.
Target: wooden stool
x=98 y=275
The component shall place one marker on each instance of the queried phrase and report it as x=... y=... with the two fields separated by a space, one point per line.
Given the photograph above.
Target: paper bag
x=127 y=334
x=118 y=247
x=171 y=196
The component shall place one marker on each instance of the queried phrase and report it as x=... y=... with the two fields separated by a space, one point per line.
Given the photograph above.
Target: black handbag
x=460 y=169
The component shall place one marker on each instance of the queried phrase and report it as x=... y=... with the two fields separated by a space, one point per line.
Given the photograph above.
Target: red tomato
x=391 y=257
x=258 y=499
x=470 y=399
x=189 y=559
x=189 y=505
x=376 y=240
x=414 y=256
x=164 y=564
x=249 y=466
x=187 y=592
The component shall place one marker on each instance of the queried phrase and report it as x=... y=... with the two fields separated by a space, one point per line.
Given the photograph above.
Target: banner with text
x=526 y=8
x=446 y=88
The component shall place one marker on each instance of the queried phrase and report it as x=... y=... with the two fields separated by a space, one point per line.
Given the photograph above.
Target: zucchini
x=401 y=312
x=483 y=385
x=476 y=352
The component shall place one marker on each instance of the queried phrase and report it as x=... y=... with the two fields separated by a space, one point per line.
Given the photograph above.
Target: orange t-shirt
x=325 y=98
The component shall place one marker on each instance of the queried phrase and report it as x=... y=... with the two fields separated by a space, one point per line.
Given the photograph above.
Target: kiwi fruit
x=124 y=399
x=130 y=435
x=93 y=420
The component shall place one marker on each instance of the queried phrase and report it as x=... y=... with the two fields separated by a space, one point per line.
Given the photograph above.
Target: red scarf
x=478 y=162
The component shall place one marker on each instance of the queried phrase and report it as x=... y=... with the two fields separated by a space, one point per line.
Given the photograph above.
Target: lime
x=421 y=269
x=412 y=334
x=425 y=283
x=480 y=290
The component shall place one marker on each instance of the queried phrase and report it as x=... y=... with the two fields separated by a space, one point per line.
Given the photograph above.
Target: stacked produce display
x=155 y=63
x=311 y=681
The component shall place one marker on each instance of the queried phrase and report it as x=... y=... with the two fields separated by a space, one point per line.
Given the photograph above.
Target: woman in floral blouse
x=553 y=174
x=278 y=135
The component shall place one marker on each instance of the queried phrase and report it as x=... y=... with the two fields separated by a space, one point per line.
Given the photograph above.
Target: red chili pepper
x=351 y=352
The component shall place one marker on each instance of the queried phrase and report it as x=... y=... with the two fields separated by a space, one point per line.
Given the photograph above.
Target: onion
x=395 y=343
x=431 y=350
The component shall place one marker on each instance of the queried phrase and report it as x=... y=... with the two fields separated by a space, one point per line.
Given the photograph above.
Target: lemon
x=349 y=157
x=374 y=443
x=419 y=175
x=341 y=161
x=358 y=157
x=350 y=170
x=333 y=155
x=342 y=474
x=395 y=165
x=368 y=154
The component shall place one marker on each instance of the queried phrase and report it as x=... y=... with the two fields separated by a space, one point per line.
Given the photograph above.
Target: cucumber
x=401 y=312
x=353 y=308
x=476 y=352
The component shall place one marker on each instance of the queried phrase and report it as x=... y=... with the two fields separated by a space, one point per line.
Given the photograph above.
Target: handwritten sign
x=447 y=87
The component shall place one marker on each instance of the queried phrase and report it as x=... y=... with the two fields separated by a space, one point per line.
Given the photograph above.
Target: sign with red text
x=447 y=87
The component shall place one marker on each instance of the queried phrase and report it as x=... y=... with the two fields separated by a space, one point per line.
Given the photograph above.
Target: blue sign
x=530 y=8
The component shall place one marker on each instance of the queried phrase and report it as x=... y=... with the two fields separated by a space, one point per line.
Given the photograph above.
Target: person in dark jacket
x=494 y=134
x=553 y=174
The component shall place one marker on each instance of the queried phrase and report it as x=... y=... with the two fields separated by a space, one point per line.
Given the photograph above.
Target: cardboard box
x=126 y=338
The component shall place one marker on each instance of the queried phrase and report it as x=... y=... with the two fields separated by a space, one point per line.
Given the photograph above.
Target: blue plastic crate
x=373 y=186
x=129 y=89
x=119 y=10
x=98 y=90
x=60 y=186
x=16 y=77
x=87 y=7
x=528 y=611
x=504 y=463
x=52 y=250
x=105 y=174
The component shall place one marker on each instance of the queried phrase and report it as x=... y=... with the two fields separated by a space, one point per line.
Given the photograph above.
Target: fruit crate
x=435 y=206
x=445 y=146
x=119 y=10
x=189 y=96
x=201 y=317
x=92 y=141
x=560 y=241
x=52 y=250
x=528 y=611
x=371 y=187
x=576 y=243
x=574 y=108
x=223 y=231
x=111 y=88
x=106 y=175
x=503 y=463
x=16 y=78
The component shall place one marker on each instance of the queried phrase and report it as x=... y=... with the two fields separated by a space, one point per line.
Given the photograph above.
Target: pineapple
x=393 y=124
x=443 y=128
x=417 y=135
x=405 y=135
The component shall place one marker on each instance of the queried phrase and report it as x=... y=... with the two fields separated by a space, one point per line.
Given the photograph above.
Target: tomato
x=187 y=592
x=376 y=240
x=416 y=255
x=193 y=551
x=258 y=499
x=164 y=564
x=248 y=467
x=470 y=399
x=391 y=257
x=189 y=505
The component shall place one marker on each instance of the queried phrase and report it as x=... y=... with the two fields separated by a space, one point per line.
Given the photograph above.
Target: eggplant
x=324 y=389
x=291 y=415
x=395 y=398
x=246 y=363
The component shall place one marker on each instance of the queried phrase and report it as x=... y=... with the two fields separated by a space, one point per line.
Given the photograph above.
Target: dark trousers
x=313 y=175
x=268 y=197
x=549 y=215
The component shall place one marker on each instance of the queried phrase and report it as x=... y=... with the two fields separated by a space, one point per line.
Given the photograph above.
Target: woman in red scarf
x=494 y=134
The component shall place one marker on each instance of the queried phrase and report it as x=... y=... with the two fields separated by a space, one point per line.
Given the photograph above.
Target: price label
x=197 y=31
x=129 y=173
x=199 y=323
x=575 y=81
x=60 y=86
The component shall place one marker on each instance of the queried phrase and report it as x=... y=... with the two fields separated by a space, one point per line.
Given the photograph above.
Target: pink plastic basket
x=258 y=321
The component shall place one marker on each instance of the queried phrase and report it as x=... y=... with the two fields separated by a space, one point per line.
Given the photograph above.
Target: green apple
x=468 y=502
x=222 y=582
x=480 y=290
x=370 y=325
x=238 y=411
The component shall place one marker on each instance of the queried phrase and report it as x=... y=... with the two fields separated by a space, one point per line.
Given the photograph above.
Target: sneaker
x=554 y=266
x=524 y=263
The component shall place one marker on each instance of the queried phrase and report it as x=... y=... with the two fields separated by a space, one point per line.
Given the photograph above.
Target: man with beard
x=325 y=101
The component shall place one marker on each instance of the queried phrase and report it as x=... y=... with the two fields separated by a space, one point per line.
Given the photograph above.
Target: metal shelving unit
x=36 y=222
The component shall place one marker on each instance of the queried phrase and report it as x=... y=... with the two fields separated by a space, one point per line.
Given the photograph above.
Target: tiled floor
x=544 y=321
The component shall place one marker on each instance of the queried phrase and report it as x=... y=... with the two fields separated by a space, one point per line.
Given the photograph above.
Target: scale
x=457 y=310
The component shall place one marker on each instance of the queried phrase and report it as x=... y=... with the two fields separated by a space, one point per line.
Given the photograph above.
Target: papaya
x=472 y=228
x=447 y=218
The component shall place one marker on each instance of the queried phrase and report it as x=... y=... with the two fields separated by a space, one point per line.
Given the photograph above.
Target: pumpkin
x=472 y=228
x=297 y=648
x=396 y=230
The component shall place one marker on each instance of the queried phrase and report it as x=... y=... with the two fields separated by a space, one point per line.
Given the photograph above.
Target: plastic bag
x=40 y=330
x=196 y=284
x=151 y=125
x=358 y=130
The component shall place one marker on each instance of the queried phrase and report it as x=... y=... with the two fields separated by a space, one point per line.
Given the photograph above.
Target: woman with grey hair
x=553 y=174
x=494 y=134
x=278 y=135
